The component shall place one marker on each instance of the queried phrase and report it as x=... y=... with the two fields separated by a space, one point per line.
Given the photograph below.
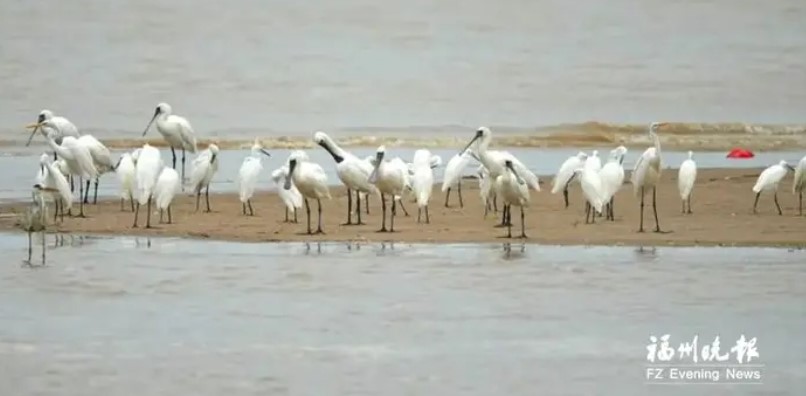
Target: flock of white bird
x=145 y=178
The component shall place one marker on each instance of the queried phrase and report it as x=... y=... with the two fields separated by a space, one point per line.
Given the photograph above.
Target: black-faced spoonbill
x=768 y=181
x=311 y=181
x=292 y=199
x=175 y=130
x=352 y=171
x=147 y=169
x=390 y=179
x=565 y=175
x=514 y=191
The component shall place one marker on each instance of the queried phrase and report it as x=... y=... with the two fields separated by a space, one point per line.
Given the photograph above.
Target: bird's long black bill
x=31 y=138
x=291 y=166
x=149 y=124
x=265 y=152
x=468 y=145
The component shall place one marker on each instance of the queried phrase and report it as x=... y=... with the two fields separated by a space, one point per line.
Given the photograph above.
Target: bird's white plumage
x=592 y=188
x=101 y=157
x=74 y=152
x=309 y=177
x=486 y=190
x=647 y=170
x=768 y=179
x=351 y=170
x=292 y=199
x=455 y=169
x=126 y=176
x=250 y=170
x=566 y=172
x=513 y=189
x=494 y=160
x=51 y=177
x=205 y=166
x=61 y=126
x=147 y=170
x=174 y=129
x=390 y=177
x=612 y=173
x=166 y=188
x=686 y=176
x=799 y=184
x=422 y=181
x=593 y=161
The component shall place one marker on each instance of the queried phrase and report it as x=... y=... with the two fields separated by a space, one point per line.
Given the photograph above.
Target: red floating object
x=740 y=153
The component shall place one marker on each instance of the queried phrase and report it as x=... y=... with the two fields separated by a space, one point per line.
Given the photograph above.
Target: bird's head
x=481 y=133
x=379 y=154
x=786 y=166
x=257 y=148
x=511 y=167
x=42 y=120
x=213 y=151
x=44 y=115
x=320 y=138
x=690 y=154
x=653 y=127
x=162 y=108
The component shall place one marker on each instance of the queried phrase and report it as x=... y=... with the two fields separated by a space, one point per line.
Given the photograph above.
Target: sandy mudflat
x=722 y=203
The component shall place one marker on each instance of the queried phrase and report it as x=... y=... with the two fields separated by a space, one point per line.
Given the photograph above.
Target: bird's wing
x=525 y=173
x=57 y=179
x=640 y=170
x=200 y=166
x=187 y=135
x=247 y=177
x=565 y=173
x=100 y=154
x=453 y=170
x=436 y=161
x=83 y=156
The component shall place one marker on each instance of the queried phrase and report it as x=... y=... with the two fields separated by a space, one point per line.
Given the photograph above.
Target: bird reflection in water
x=514 y=254
x=308 y=248
x=646 y=254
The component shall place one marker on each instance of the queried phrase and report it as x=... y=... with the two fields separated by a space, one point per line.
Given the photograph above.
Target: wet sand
x=722 y=205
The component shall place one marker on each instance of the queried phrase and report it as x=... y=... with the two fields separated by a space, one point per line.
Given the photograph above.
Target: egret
x=422 y=181
x=453 y=175
x=686 y=177
x=33 y=220
x=390 y=179
x=292 y=199
x=612 y=174
x=147 y=170
x=125 y=170
x=565 y=175
x=248 y=175
x=55 y=183
x=102 y=160
x=165 y=190
x=311 y=181
x=204 y=168
x=494 y=160
x=352 y=171
x=768 y=181
x=514 y=191
x=800 y=183
x=592 y=189
x=75 y=153
x=646 y=174
x=486 y=190
x=175 y=130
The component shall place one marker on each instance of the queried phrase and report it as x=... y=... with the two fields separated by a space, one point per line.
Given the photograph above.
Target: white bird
x=102 y=160
x=54 y=184
x=390 y=179
x=352 y=171
x=422 y=181
x=33 y=220
x=514 y=191
x=248 y=175
x=486 y=190
x=63 y=127
x=205 y=167
x=452 y=176
x=175 y=130
x=768 y=181
x=148 y=165
x=494 y=161
x=311 y=181
x=397 y=162
x=799 y=184
x=125 y=171
x=646 y=174
x=76 y=155
x=686 y=177
x=592 y=189
x=593 y=161
x=612 y=174
x=565 y=175
x=168 y=185
x=292 y=199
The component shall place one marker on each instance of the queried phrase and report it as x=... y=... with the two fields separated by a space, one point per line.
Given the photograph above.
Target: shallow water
x=21 y=166
x=285 y=67
x=173 y=316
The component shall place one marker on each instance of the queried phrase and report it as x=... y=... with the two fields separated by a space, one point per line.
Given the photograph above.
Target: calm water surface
x=113 y=316
x=283 y=66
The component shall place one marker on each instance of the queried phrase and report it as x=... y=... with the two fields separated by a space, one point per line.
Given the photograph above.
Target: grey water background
x=22 y=164
x=110 y=315
x=282 y=66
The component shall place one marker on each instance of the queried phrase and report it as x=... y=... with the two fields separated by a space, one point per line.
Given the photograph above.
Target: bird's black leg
x=295 y=216
x=198 y=198
x=405 y=212
x=161 y=213
x=95 y=196
x=131 y=200
x=419 y=213
x=565 y=196
x=383 y=215
x=136 y=213
x=308 y=211
x=87 y=192
x=775 y=197
x=170 y=220
x=655 y=207
x=243 y=208
x=641 y=224
x=183 y=167
x=688 y=203
x=319 y=206
x=148 y=215
x=394 y=211
x=366 y=202
x=447 y=196
x=44 y=246
x=173 y=154
x=30 y=247
x=427 y=219
x=459 y=191
x=756 y=202
x=207 y=198
x=358 y=206
x=251 y=211
x=81 y=194
x=523 y=224
x=349 y=207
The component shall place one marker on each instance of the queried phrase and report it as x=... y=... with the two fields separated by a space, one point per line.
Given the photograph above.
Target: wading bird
x=248 y=176
x=311 y=181
x=76 y=155
x=799 y=184
x=292 y=199
x=165 y=190
x=612 y=174
x=686 y=177
x=205 y=167
x=176 y=131
x=486 y=191
x=63 y=127
x=353 y=173
x=565 y=175
x=422 y=181
x=646 y=174
x=592 y=189
x=452 y=176
x=102 y=160
x=494 y=160
x=147 y=170
x=768 y=181
x=126 y=176
x=514 y=191
x=390 y=179
x=33 y=220
x=55 y=184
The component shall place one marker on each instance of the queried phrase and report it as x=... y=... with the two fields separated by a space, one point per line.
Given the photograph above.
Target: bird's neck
x=335 y=151
x=657 y=142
